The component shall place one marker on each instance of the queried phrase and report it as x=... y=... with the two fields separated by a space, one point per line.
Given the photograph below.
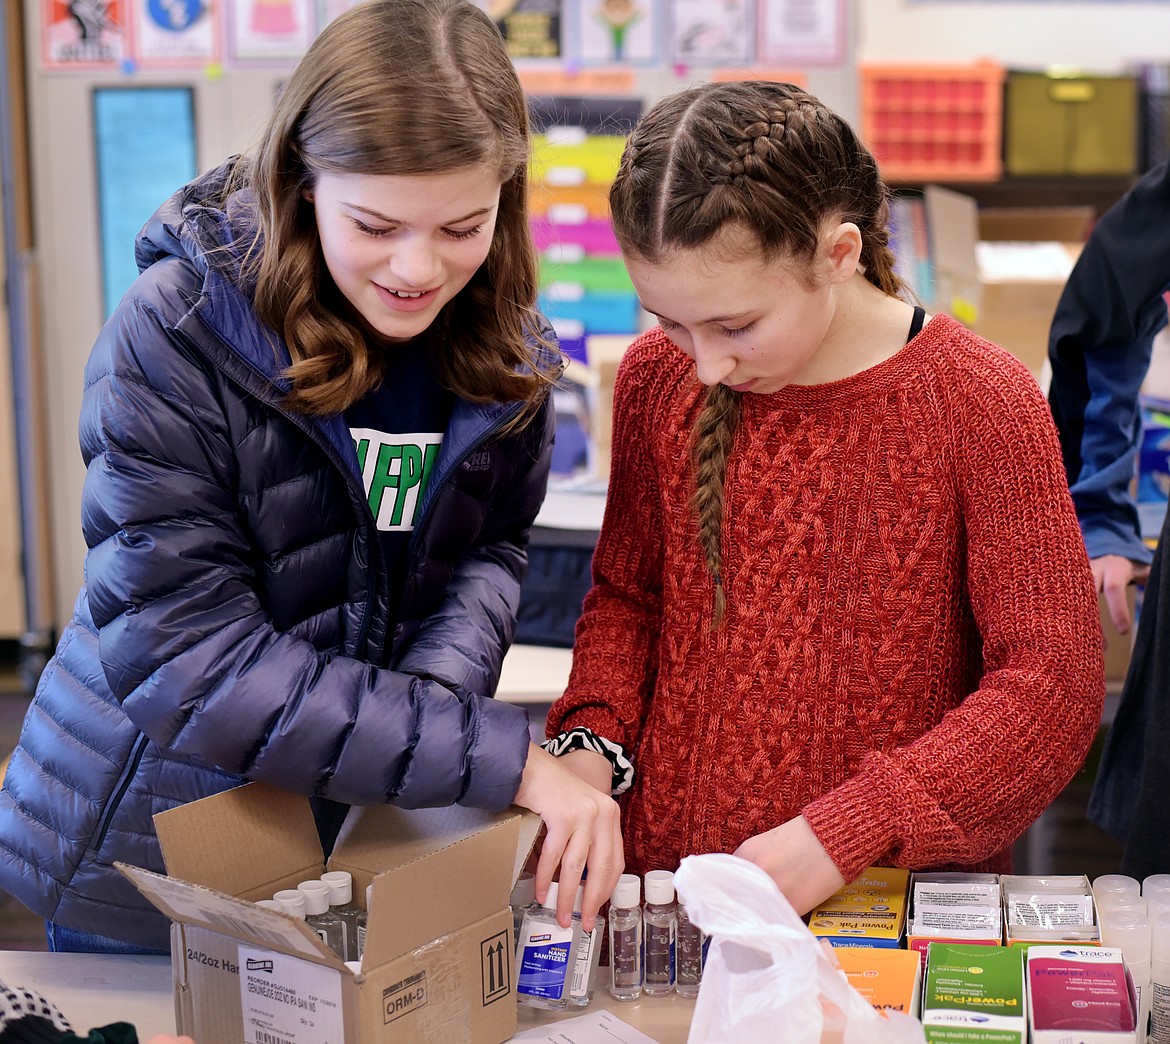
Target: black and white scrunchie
x=586 y=739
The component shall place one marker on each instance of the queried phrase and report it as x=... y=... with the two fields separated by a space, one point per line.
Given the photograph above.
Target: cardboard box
x=1054 y=909
x=974 y=994
x=1081 y=994
x=870 y=911
x=438 y=964
x=953 y=908
x=891 y=980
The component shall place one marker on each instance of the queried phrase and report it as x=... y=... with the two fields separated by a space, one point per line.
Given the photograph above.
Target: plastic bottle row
x=326 y=905
x=654 y=948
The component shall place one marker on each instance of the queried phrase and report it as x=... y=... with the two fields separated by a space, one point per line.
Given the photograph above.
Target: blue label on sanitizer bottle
x=544 y=961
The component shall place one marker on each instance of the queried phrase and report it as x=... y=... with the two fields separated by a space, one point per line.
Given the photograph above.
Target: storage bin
x=1064 y=123
x=934 y=122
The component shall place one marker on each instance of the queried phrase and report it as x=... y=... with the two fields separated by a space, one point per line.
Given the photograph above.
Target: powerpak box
x=438 y=963
x=870 y=911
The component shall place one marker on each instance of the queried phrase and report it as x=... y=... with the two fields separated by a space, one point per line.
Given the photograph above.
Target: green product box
x=974 y=995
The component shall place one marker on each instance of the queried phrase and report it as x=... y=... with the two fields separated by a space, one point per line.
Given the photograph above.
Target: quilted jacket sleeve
x=187 y=646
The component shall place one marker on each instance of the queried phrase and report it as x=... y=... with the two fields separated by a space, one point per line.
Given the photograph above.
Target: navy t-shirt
x=397 y=430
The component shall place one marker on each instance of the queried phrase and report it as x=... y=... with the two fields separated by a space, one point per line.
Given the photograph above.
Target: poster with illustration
x=619 y=32
x=175 y=32
x=802 y=32
x=711 y=32
x=327 y=10
x=270 y=30
x=80 y=34
x=531 y=28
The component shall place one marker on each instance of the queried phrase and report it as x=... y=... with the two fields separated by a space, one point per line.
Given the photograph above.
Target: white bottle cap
x=1160 y=943
x=270 y=904
x=369 y=892
x=1108 y=883
x=628 y=892
x=354 y=966
x=1108 y=901
x=579 y=899
x=1129 y=931
x=550 y=900
x=293 y=901
x=660 y=887
x=1157 y=885
x=524 y=892
x=316 y=895
x=340 y=884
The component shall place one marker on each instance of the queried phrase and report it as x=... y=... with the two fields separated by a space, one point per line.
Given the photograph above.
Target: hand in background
x=582 y=829
x=1113 y=575
x=796 y=861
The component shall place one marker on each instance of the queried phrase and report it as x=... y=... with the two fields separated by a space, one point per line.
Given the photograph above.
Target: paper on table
x=598 y=1027
x=1041 y=260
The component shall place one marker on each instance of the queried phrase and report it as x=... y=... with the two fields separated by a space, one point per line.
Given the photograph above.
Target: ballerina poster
x=270 y=30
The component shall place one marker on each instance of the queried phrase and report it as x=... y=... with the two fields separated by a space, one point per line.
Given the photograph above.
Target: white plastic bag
x=767 y=979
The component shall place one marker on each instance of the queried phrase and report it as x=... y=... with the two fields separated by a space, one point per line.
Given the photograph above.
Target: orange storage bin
x=934 y=122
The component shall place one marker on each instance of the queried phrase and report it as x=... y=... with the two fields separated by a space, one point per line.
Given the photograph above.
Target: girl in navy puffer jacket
x=317 y=431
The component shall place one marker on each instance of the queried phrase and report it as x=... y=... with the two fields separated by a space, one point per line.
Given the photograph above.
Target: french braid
x=767 y=157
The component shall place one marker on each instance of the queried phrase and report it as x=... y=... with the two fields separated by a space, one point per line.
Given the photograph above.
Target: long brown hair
x=398 y=87
x=766 y=157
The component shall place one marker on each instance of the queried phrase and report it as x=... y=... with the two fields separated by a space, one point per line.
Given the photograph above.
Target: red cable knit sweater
x=912 y=654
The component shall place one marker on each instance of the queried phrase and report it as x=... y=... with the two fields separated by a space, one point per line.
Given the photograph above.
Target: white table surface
x=534 y=674
x=94 y=989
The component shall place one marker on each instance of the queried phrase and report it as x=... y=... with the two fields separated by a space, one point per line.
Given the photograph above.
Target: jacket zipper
x=115 y=801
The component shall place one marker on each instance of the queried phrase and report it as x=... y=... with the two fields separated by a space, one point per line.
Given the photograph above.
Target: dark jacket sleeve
x=1100 y=346
x=186 y=644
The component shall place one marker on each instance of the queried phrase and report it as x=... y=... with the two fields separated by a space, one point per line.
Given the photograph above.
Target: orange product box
x=891 y=980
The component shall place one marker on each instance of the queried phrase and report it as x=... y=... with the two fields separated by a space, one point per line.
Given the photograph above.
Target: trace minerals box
x=438 y=963
x=1080 y=993
x=974 y=995
x=870 y=911
x=891 y=980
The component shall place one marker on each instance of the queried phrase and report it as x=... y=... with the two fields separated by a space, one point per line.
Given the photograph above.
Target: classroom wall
x=1099 y=35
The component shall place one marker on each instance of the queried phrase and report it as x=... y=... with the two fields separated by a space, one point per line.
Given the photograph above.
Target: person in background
x=317 y=431
x=842 y=614
x=1100 y=347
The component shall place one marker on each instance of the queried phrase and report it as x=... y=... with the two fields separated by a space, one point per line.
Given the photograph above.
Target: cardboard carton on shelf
x=438 y=961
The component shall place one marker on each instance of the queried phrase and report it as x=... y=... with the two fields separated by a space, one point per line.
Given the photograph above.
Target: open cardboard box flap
x=434 y=871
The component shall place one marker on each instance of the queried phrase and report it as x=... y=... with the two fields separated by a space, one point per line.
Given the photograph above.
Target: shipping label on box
x=287 y=1000
x=867 y=912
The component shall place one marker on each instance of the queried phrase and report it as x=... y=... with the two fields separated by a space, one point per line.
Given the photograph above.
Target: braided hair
x=766 y=157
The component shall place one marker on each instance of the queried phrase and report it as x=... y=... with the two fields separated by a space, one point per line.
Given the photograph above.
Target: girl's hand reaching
x=796 y=861
x=582 y=829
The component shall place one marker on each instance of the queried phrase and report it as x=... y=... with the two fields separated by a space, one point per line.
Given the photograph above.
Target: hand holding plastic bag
x=767 y=978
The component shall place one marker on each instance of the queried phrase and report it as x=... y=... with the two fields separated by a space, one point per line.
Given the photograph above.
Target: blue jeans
x=72 y=940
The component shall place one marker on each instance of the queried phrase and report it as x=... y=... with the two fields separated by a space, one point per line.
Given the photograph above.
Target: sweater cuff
x=498 y=755
x=858 y=822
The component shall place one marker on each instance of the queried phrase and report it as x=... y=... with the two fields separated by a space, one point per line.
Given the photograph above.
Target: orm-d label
x=404 y=997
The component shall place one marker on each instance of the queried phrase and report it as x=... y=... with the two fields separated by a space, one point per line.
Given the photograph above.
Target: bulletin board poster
x=616 y=32
x=83 y=34
x=531 y=28
x=270 y=31
x=144 y=141
x=712 y=32
x=175 y=32
x=802 y=32
x=327 y=10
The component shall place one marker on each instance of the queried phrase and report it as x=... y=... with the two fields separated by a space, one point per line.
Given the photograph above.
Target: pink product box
x=592 y=236
x=1080 y=993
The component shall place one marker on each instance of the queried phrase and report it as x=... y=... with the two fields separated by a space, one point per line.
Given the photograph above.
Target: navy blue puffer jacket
x=236 y=621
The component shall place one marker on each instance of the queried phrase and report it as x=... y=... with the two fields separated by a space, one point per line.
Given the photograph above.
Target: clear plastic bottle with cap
x=1160 y=979
x=1110 y=884
x=523 y=896
x=363 y=919
x=692 y=954
x=545 y=955
x=588 y=955
x=625 y=938
x=1128 y=930
x=327 y=925
x=270 y=904
x=659 y=926
x=341 y=903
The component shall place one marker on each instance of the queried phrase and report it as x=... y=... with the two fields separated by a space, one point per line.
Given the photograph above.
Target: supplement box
x=890 y=980
x=953 y=908
x=870 y=911
x=1080 y=993
x=974 y=995
x=1049 y=909
x=438 y=962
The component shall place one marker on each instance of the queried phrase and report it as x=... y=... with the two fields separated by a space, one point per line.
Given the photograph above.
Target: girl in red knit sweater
x=842 y=613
